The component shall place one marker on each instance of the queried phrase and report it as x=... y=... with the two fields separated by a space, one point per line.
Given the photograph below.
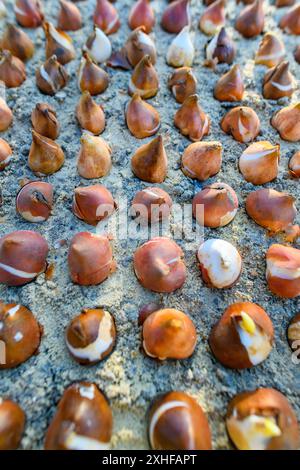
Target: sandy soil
x=130 y=380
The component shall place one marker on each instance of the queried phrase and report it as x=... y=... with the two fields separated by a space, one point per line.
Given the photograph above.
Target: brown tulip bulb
x=12 y=423
x=294 y=165
x=90 y=259
x=271 y=209
x=243 y=337
x=106 y=17
x=182 y=83
x=242 y=123
x=271 y=50
x=58 y=43
x=5 y=154
x=51 y=76
x=141 y=14
x=159 y=265
x=93 y=203
x=17 y=42
x=191 y=120
x=151 y=205
x=177 y=422
x=83 y=420
x=251 y=20
x=69 y=17
x=91 y=336
x=44 y=121
x=293 y=333
x=29 y=13
x=12 y=70
x=290 y=22
x=21 y=334
x=201 y=160
x=259 y=162
x=45 y=156
x=262 y=419
x=176 y=16
x=90 y=115
x=6 y=115
x=98 y=46
x=215 y=205
x=278 y=82
x=138 y=45
x=34 y=201
x=144 y=79
x=213 y=18
x=91 y=77
x=141 y=118
x=169 y=334
x=297 y=54
x=287 y=122
x=220 y=49
x=284 y=3
x=149 y=162
x=283 y=271
x=230 y=87
x=94 y=159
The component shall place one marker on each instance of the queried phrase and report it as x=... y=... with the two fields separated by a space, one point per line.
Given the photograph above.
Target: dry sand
x=130 y=380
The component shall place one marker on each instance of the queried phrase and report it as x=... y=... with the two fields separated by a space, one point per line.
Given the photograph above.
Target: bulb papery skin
x=181 y=50
x=98 y=46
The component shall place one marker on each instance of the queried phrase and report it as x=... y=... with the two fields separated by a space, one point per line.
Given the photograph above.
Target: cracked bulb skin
x=191 y=120
x=293 y=333
x=243 y=337
x=159 y=265
x=151 y=205
x=138 y=45
x=259 y=162
x=182 y=83
x=221 y=49
x=283 y=271
x=201 y=160
x=58 y=43
x=20 y=333
x=12 y=424
x=44 y=121
x=177 y=422
x=262 y=419
x=91 y=336
x=294 y=165
x=5 y=154
x=34 y=201
x=83 y=420
x=51 y=76
x=242 y=123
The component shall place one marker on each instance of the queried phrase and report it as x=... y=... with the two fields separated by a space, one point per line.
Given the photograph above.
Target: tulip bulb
x=141 y=118
x=91 y=77
x=181 y=50
x=29 y=13
x=176 y=16
x=230 y=87
x=12 y=70
x=90 y=115
x=106 y=17
x=213 y=18
x=34 y=201
x=259 y=162
x=6 y=115
x=278 y=82
x=138 y=45
x=12 y=419
x=287 y=122
x=271 y=50
x=201 y=160
x=17 y=42
x=94 y=159
x=44 y=121
x=98 y=46
x=45 y=156
x=5 y=154
x=251 y=20
x=283 y=271
x=93 y=203
x=290 y=22
x=144 y=79
x=51 y=76
x=294 y=165
x=220 y=49
x=242 y=123
x=151 y=205
x=58 y=43
x=191 y=119
x=149 y=163
x=297 y=54
x=141 y=14
x=293 y=332
x=182 y=83
x=69 y=17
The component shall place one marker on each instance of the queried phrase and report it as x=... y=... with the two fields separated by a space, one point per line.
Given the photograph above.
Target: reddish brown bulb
x=34 y=201
x=144 y=79
x=293 y=333
x=159 y=265
x=91 y=77
x=45 y=156
x=58 y=43
x=213 y=18
x=138 y=45
x=69 y=17
x=106 y=17
x=94 y=158
x=20 y=333
x=29 y=13
x=290 y=22
x=51 y=76
x=151 y=205
x=169 y=334
x=294 y=165
x=242 y=123
x=278 y=82
x=259 y=162
x=220 y=49
x=176 y=16
x=182 y=83
x=149 y=162
x=215 y=205
x=201 y=160
x=91 y=336
x=230 y=86
x=17 y=42
x=5 y=154
x=83 y=420
x=12 y=70
x=22 y=257
x=287 y=122
x=141 y=14
x=251 y=20
x=283 y=271
x=44 y=121
x=297 y=54
x=93 y=203
x=191 y=120
x=90 y=115
x=6 y=115
x=12 y=423
x=177 y=422
x=141 y=118
x=90 y=259
x=271 y=50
